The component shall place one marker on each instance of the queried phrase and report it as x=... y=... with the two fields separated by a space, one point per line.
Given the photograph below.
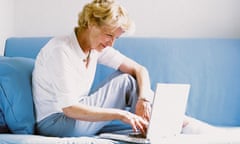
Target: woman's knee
x=128 y=79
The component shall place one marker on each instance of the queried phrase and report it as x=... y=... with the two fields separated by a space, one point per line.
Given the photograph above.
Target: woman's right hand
x=137 y=122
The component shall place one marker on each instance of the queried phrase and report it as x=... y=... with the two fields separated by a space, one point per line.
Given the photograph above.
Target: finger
x=143 y=125
x=140 y=126
x=134 y=126
x=146 y=115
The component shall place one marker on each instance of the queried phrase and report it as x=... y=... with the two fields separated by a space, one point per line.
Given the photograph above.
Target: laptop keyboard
x=125 y=138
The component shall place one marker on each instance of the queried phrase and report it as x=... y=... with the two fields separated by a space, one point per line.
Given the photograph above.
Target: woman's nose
x=110 y=42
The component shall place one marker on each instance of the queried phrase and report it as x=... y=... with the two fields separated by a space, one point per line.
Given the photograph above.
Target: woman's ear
x=91 y=26
x=94 y=28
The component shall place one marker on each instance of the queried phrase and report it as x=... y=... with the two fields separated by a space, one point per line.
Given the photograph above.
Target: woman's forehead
x=113 y=31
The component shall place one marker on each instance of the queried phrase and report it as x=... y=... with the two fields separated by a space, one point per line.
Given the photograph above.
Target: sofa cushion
x=16 y=101
x=3 y=124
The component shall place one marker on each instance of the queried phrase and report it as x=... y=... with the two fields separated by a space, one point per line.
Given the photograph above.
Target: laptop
x=168 y=110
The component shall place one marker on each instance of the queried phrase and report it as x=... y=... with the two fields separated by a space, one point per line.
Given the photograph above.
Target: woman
x=65 y=69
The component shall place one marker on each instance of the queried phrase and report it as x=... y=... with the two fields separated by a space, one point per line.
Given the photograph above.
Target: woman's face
x=102 y=37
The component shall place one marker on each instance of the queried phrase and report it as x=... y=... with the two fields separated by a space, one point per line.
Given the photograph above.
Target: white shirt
x=60 y=77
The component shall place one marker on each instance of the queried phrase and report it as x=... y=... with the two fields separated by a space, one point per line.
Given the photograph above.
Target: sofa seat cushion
x=16 y=103
x=37 y=139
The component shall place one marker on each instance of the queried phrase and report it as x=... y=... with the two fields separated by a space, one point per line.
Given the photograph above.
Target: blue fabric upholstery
x=24 y=47
x=16 y=101
x=3 y=124
x=211 y=66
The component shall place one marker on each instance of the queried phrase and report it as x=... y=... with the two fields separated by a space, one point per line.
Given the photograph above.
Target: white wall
x=6 y=21
x=153 y=18
x=46 y=17
x=188 y=18
x=164 y=18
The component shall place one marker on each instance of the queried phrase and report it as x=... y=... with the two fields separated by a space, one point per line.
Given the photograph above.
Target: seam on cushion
x=8 y=102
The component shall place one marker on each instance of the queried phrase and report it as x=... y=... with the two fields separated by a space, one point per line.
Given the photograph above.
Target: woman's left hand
x=143 y=109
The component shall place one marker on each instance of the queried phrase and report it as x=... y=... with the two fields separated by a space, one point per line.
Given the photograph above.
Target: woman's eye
x=109 y=35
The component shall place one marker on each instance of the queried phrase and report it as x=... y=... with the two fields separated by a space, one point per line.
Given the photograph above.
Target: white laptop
x=167 y=115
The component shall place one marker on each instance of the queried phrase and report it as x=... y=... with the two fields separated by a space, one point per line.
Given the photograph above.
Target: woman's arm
x=90 y=113
x=141 y=74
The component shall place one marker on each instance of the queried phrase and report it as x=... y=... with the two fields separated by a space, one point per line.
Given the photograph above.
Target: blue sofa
x=211 y=66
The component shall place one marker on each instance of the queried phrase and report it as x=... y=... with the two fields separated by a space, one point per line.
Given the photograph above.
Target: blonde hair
x=105 y=13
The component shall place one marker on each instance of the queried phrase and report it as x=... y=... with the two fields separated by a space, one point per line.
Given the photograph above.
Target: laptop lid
x=168 y=110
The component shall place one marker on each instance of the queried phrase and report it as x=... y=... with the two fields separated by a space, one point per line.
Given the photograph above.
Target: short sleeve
x=111 y=57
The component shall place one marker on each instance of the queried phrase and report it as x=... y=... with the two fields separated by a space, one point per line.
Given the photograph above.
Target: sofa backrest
x=211 y=66
x=24 y=46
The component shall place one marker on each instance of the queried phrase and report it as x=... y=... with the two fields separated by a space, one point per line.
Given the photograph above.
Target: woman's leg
x=56 y=125
x=118 y=91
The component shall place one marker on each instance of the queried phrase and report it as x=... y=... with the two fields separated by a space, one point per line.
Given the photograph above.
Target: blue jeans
x=118 y=91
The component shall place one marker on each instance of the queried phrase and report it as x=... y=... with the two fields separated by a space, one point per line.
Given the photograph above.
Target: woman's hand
x=89 y=113
x=143 y=109
x=137 y=122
